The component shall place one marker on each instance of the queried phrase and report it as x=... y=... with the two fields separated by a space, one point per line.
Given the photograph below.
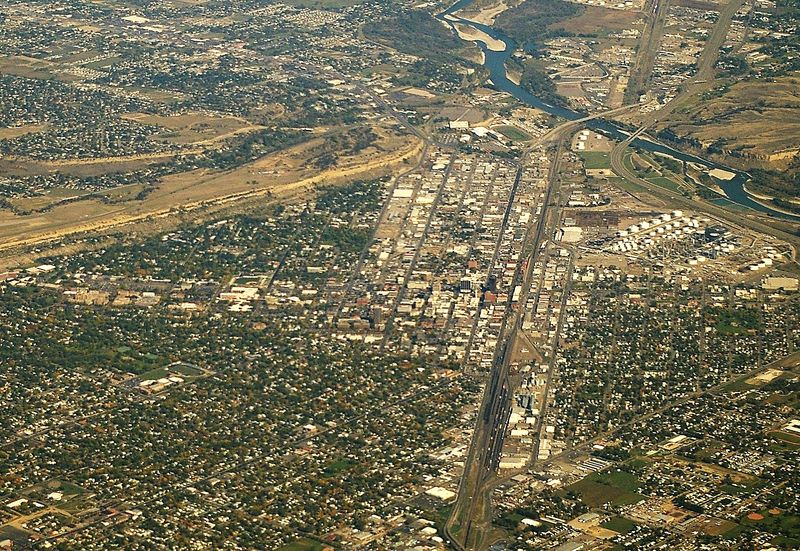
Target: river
x=495 y=63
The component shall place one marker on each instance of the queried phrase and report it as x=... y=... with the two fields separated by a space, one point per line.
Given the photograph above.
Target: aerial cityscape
x=323 y=275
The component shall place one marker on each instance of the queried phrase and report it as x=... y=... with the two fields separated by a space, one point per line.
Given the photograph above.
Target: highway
x=674 y=198
x=703 y=79
x=656 y=12
x=700 y=82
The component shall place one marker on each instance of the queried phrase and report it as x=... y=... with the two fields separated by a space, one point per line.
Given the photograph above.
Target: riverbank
x=497 y=53
x=471 y=34
x=485 y=16
x=766 y=200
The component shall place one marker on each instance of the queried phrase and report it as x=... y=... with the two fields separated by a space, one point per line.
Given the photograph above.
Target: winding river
x=495 y=63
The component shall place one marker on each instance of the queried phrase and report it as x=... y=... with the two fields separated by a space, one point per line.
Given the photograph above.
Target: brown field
x=52 y=196
x=711 y=526
x=20 y=166
x=759 y=117
x=473 y=115
x=80 y=25
x=80 y=167
x=698 y=4
x=29 y=67
x=195 y=128
x=158 y=96
x=276 y=176
x=570 y=89
x=78 y=57
x=600 y=21
x=17 y=131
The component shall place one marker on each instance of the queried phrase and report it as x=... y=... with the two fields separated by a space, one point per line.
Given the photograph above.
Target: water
x=495 y=63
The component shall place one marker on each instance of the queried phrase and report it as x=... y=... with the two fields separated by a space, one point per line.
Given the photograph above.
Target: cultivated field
x=30 y=67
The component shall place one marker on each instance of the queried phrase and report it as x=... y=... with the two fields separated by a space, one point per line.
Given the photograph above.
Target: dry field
x=600 y=21
x=758 y=117
x=12 y=132
x=277 y=176
x=29 y=67
x=699 y=4
x=52 y=195
x=194 y=128
x=16 y=166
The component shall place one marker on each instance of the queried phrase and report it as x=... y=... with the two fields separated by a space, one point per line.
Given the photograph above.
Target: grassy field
x=595 y=159
x=186 y=370
x=787 y=437
x=722 y=202
x=302 y=544
x=629 y=161
x=664 y=182
x=615 y=487
x=70 y=488
x=155 y=374
x=619 y=524
x=336 y=467
x=735 y=490
x=182 y=370
x=513 y=133
x=626 y=185
x=618 y=479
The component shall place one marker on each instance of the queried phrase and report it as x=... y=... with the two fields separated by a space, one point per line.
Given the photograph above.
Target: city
x=315 y=276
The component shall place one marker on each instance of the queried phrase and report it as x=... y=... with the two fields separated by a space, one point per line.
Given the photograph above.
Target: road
x=678 y=200
x=381 y=218
x=417 y=252
x=703 y=79
x=495 y=255
x=656 y=12
x=540 y=425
